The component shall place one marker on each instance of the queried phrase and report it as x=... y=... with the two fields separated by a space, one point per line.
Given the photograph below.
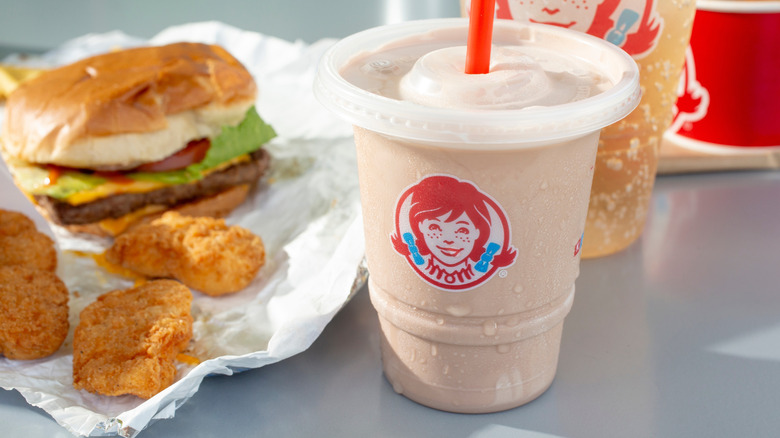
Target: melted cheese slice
x=110 y=188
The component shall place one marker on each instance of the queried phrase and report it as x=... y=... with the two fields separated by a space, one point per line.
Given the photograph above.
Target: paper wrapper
x=306 y=211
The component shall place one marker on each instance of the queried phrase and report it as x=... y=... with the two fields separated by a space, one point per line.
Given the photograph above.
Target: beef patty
x=115 y=206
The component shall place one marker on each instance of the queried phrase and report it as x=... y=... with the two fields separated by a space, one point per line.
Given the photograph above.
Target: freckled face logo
x=633 y=25
x=452 y=234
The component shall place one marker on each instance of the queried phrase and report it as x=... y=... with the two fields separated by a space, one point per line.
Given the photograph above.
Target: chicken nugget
x=33 y=312
x=13 y=223
x=127 y=340
x=28 y=248
x=203 y=253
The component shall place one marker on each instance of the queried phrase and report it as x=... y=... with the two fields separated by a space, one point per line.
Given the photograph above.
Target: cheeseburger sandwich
x=111 y=139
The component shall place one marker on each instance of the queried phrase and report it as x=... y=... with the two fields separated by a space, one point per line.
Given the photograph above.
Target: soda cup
x=734 y=104
x=655 y=33
x=474 y=196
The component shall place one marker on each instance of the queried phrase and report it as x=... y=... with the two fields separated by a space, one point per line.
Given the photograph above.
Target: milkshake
x=474 y=191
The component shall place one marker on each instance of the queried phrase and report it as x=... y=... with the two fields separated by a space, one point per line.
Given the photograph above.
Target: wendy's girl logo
x=633 y=25
x=451 y=233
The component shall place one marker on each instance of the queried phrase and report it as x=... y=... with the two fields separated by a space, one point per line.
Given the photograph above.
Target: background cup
x=489 y=340
x=655 y=33
x=729 y=93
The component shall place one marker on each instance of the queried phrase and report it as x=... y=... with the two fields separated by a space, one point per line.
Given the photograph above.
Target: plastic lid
x=490 y=129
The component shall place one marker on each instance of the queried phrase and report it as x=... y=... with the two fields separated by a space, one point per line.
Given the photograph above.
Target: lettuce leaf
x=234 y=141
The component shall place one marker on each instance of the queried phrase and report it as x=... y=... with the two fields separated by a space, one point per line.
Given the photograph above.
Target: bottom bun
x=219 y=205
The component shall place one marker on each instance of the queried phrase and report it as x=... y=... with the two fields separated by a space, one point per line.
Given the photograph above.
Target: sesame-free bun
x=121 y=109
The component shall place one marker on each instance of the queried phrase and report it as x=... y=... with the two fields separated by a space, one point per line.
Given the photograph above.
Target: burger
x=109 y=140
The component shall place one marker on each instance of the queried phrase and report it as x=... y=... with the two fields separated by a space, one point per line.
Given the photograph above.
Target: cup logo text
x=451 y=233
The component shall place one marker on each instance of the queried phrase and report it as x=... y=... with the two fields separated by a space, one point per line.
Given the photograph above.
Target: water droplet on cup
x=615 y=164
x=490 y=328
x=502 y=348
x=458 y=310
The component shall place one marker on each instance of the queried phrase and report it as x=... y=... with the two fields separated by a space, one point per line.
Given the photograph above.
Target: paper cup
x=729 y=93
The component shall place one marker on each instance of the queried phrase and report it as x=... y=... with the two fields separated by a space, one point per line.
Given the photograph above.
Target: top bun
x=121 y=109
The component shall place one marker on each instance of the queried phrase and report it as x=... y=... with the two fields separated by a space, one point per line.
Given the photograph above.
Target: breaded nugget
x=28 y=248
x=33 y=312
x=203 y=253
x=13 y=223
x=127 y=340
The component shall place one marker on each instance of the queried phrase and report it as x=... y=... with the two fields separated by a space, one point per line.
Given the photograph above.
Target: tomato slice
x=55 y=172
x=114 y=176
x=194 y=152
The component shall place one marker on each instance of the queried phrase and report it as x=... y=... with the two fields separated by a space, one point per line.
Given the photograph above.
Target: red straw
x=480 y=36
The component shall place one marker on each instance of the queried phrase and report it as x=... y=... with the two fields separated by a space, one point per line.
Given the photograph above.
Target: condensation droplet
x=440 y=321
x=518 y=288
x=502 y=348
x=490 y=328
x=615 y=164
x=458 y=310
x=434 y=350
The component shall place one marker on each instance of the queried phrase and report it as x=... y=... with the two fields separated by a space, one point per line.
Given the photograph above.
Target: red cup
x=730 y=88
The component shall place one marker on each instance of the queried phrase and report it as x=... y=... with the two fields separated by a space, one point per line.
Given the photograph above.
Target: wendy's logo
x=451 y=233
x=633 y=25
x=693 y=99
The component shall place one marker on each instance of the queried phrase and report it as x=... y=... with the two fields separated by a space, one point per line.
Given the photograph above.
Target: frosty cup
x=474 y=193
x=655 y=33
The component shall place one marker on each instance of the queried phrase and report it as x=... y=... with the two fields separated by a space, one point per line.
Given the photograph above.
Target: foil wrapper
x=306 y=210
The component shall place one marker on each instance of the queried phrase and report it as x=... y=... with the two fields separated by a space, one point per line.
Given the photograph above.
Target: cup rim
x=739 y=6
x=500 y=129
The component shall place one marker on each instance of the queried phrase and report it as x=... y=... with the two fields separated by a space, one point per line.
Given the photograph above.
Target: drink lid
x=489 y=128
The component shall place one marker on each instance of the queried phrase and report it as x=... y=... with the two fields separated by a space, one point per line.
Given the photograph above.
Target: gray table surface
x=677 y=336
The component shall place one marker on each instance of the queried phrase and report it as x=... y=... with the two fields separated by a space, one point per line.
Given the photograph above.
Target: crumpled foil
x=306 y=210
